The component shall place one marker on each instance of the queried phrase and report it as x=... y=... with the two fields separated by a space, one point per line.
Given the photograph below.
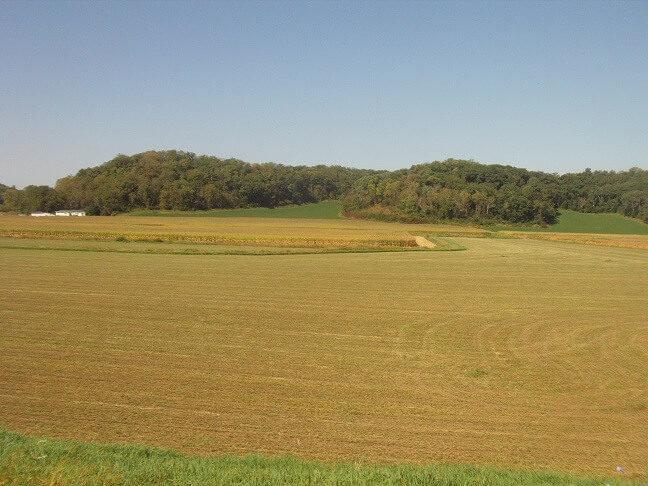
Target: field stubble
x=246 y=231
x=515 y=353
x=639 y=242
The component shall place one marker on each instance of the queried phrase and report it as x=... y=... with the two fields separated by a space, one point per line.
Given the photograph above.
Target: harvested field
x=618 y=241
x=515 y=353
x=148 y=247
x=245 y=235
x=312 y=234
x=344 y=229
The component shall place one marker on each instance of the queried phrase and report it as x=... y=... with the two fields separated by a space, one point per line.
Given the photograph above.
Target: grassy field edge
x=30 y=460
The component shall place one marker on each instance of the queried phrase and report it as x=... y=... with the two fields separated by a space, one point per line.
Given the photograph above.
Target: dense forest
x=466 y=190
x=3 y=188
x=453 y=190
x=183 y=181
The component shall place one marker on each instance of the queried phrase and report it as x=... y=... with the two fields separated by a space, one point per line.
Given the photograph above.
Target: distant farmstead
x=70 y=212
x=39 y=214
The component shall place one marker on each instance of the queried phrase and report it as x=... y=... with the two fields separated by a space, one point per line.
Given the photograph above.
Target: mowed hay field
x=514 y=353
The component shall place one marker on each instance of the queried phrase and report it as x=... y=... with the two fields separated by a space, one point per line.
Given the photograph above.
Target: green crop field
x=515 y=353
x=320 y=210
x=575 y=222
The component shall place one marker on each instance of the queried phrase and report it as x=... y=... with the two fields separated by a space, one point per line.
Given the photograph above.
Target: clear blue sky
x=553 y=86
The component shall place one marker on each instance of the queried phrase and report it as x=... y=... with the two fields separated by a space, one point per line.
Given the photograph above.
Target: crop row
x=253 y=240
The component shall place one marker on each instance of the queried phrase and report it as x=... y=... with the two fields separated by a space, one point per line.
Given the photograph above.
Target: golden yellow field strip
x=618 y=241
x=516 y=353
x=113 y=246
x=348 y=229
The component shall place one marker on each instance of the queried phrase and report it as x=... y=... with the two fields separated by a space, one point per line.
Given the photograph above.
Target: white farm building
x=70 y=212
x=39 y=214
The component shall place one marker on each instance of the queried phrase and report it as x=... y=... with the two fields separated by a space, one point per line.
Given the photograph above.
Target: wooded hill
x=3 y=188
x=449 y=190
x=460 y=189
x=183 y=181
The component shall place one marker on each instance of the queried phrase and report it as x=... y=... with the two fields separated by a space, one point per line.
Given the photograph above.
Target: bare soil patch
x=424 y=242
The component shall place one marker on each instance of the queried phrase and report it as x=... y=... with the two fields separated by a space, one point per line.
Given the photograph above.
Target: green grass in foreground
x=320 y=210
x=574 y=222
x=27 y=460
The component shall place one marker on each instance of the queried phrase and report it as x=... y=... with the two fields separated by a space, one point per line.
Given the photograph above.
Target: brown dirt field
x=516 y=353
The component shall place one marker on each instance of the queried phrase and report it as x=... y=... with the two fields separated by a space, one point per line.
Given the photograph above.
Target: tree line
x=466 y=190
x=453 y=190
x=174 y=180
